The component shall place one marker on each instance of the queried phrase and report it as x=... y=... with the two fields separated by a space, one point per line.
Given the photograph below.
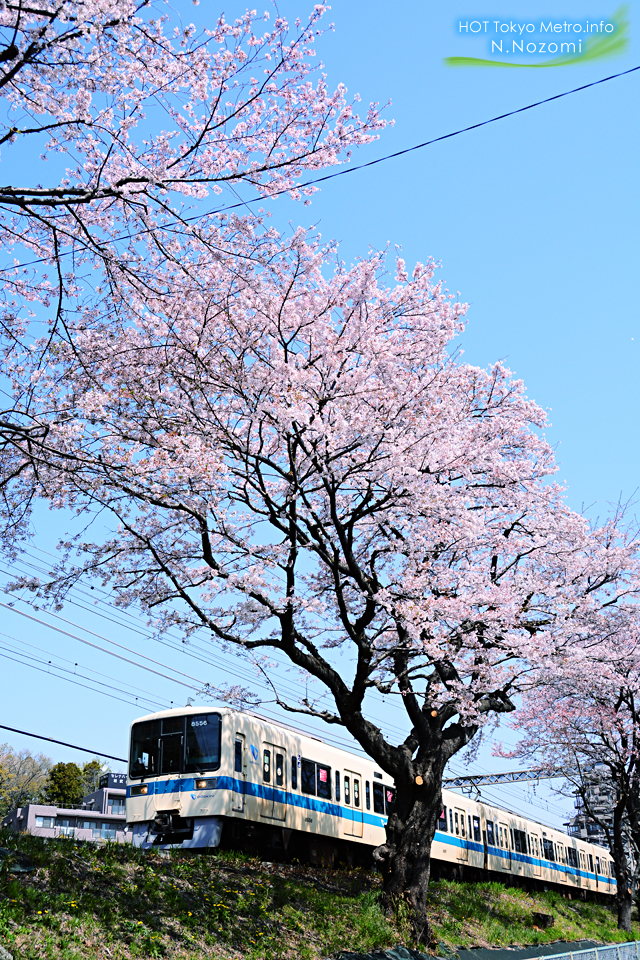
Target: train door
x=504 y=843
x=170 y=745
x=562 y=862
x=274 y=782
x=352 y=804
x=536 y=847
x=239 y=774
x=462 y=851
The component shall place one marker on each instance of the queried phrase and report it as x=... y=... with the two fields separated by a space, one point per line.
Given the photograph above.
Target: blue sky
x=535 y=221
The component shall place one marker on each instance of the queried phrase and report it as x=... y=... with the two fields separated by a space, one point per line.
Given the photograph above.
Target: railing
x=612 y=951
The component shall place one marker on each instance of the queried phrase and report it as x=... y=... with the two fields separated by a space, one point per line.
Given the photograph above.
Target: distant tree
x=91 y=773
x=581 y=721
x=65 y=785
x=22 y=777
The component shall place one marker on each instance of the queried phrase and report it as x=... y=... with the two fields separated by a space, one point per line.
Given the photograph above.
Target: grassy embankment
x=112 y=903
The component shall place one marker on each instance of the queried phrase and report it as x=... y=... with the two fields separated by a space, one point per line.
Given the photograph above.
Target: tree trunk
x=625 y=903
x=405 y=859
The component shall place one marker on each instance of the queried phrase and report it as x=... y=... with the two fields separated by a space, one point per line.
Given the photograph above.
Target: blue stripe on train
x=188 y=785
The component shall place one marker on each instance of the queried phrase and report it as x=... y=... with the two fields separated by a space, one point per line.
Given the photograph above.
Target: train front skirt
x=184 y=832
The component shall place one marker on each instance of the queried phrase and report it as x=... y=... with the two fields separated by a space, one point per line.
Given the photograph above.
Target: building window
x=116 y=806
x=86 y=825
x=65 y=827
x=46 y=822
x=104 y=831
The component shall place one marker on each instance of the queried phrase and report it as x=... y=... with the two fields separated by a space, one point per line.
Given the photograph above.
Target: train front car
x=175 y=763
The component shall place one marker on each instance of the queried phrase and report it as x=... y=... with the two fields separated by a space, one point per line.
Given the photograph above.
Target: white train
x=198 y=778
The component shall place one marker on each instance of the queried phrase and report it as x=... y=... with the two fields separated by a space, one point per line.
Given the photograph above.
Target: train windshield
x=145 y=749
x=203 y=743
x=174 y=745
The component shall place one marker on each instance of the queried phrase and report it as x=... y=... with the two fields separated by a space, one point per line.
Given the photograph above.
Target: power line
x=360 y=166
x=62 y=743
x=420 y=146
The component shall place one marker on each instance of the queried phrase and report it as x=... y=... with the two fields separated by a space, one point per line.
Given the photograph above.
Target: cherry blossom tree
x=581 y=721
x=291 y=457
x=120 y=126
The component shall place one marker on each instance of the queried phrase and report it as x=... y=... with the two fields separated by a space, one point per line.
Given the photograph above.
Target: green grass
x=114 y=903
x=490 y=914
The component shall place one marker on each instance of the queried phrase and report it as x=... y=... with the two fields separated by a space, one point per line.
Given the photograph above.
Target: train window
x=144 y=749
x=442 y=822
x=597 y=864
x=337 y=785
x=572 y=857
x=308 y=776
x=501 y=837
x=378 y=798
x=237 y=763
x=513 y=843
x=279 y=769
x=390 y=795
x=536 y=843
x=172 y=725
x=266 y=766
x=450 y=820
x=547 y=846
x=462 y=830
x=324 y=781
x=470 y=830
x=476 y=828
x=457 y=824
x=529 y=845
x=490 y=839
x=367 y=794
x=294 y=773
x=347 y=790
x=202 y=750
x=590 y=863
x=356 y=792
x=520 y=841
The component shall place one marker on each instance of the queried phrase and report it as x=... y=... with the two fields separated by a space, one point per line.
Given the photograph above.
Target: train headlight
x=140 y=790
x=208 y=784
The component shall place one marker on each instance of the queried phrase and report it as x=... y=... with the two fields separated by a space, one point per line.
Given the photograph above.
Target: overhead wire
x=151 y=698
x=126 y=615
x=74 y=746
x=350 y=169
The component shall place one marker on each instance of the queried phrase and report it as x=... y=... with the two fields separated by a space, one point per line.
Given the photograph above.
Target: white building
x=101 y=815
